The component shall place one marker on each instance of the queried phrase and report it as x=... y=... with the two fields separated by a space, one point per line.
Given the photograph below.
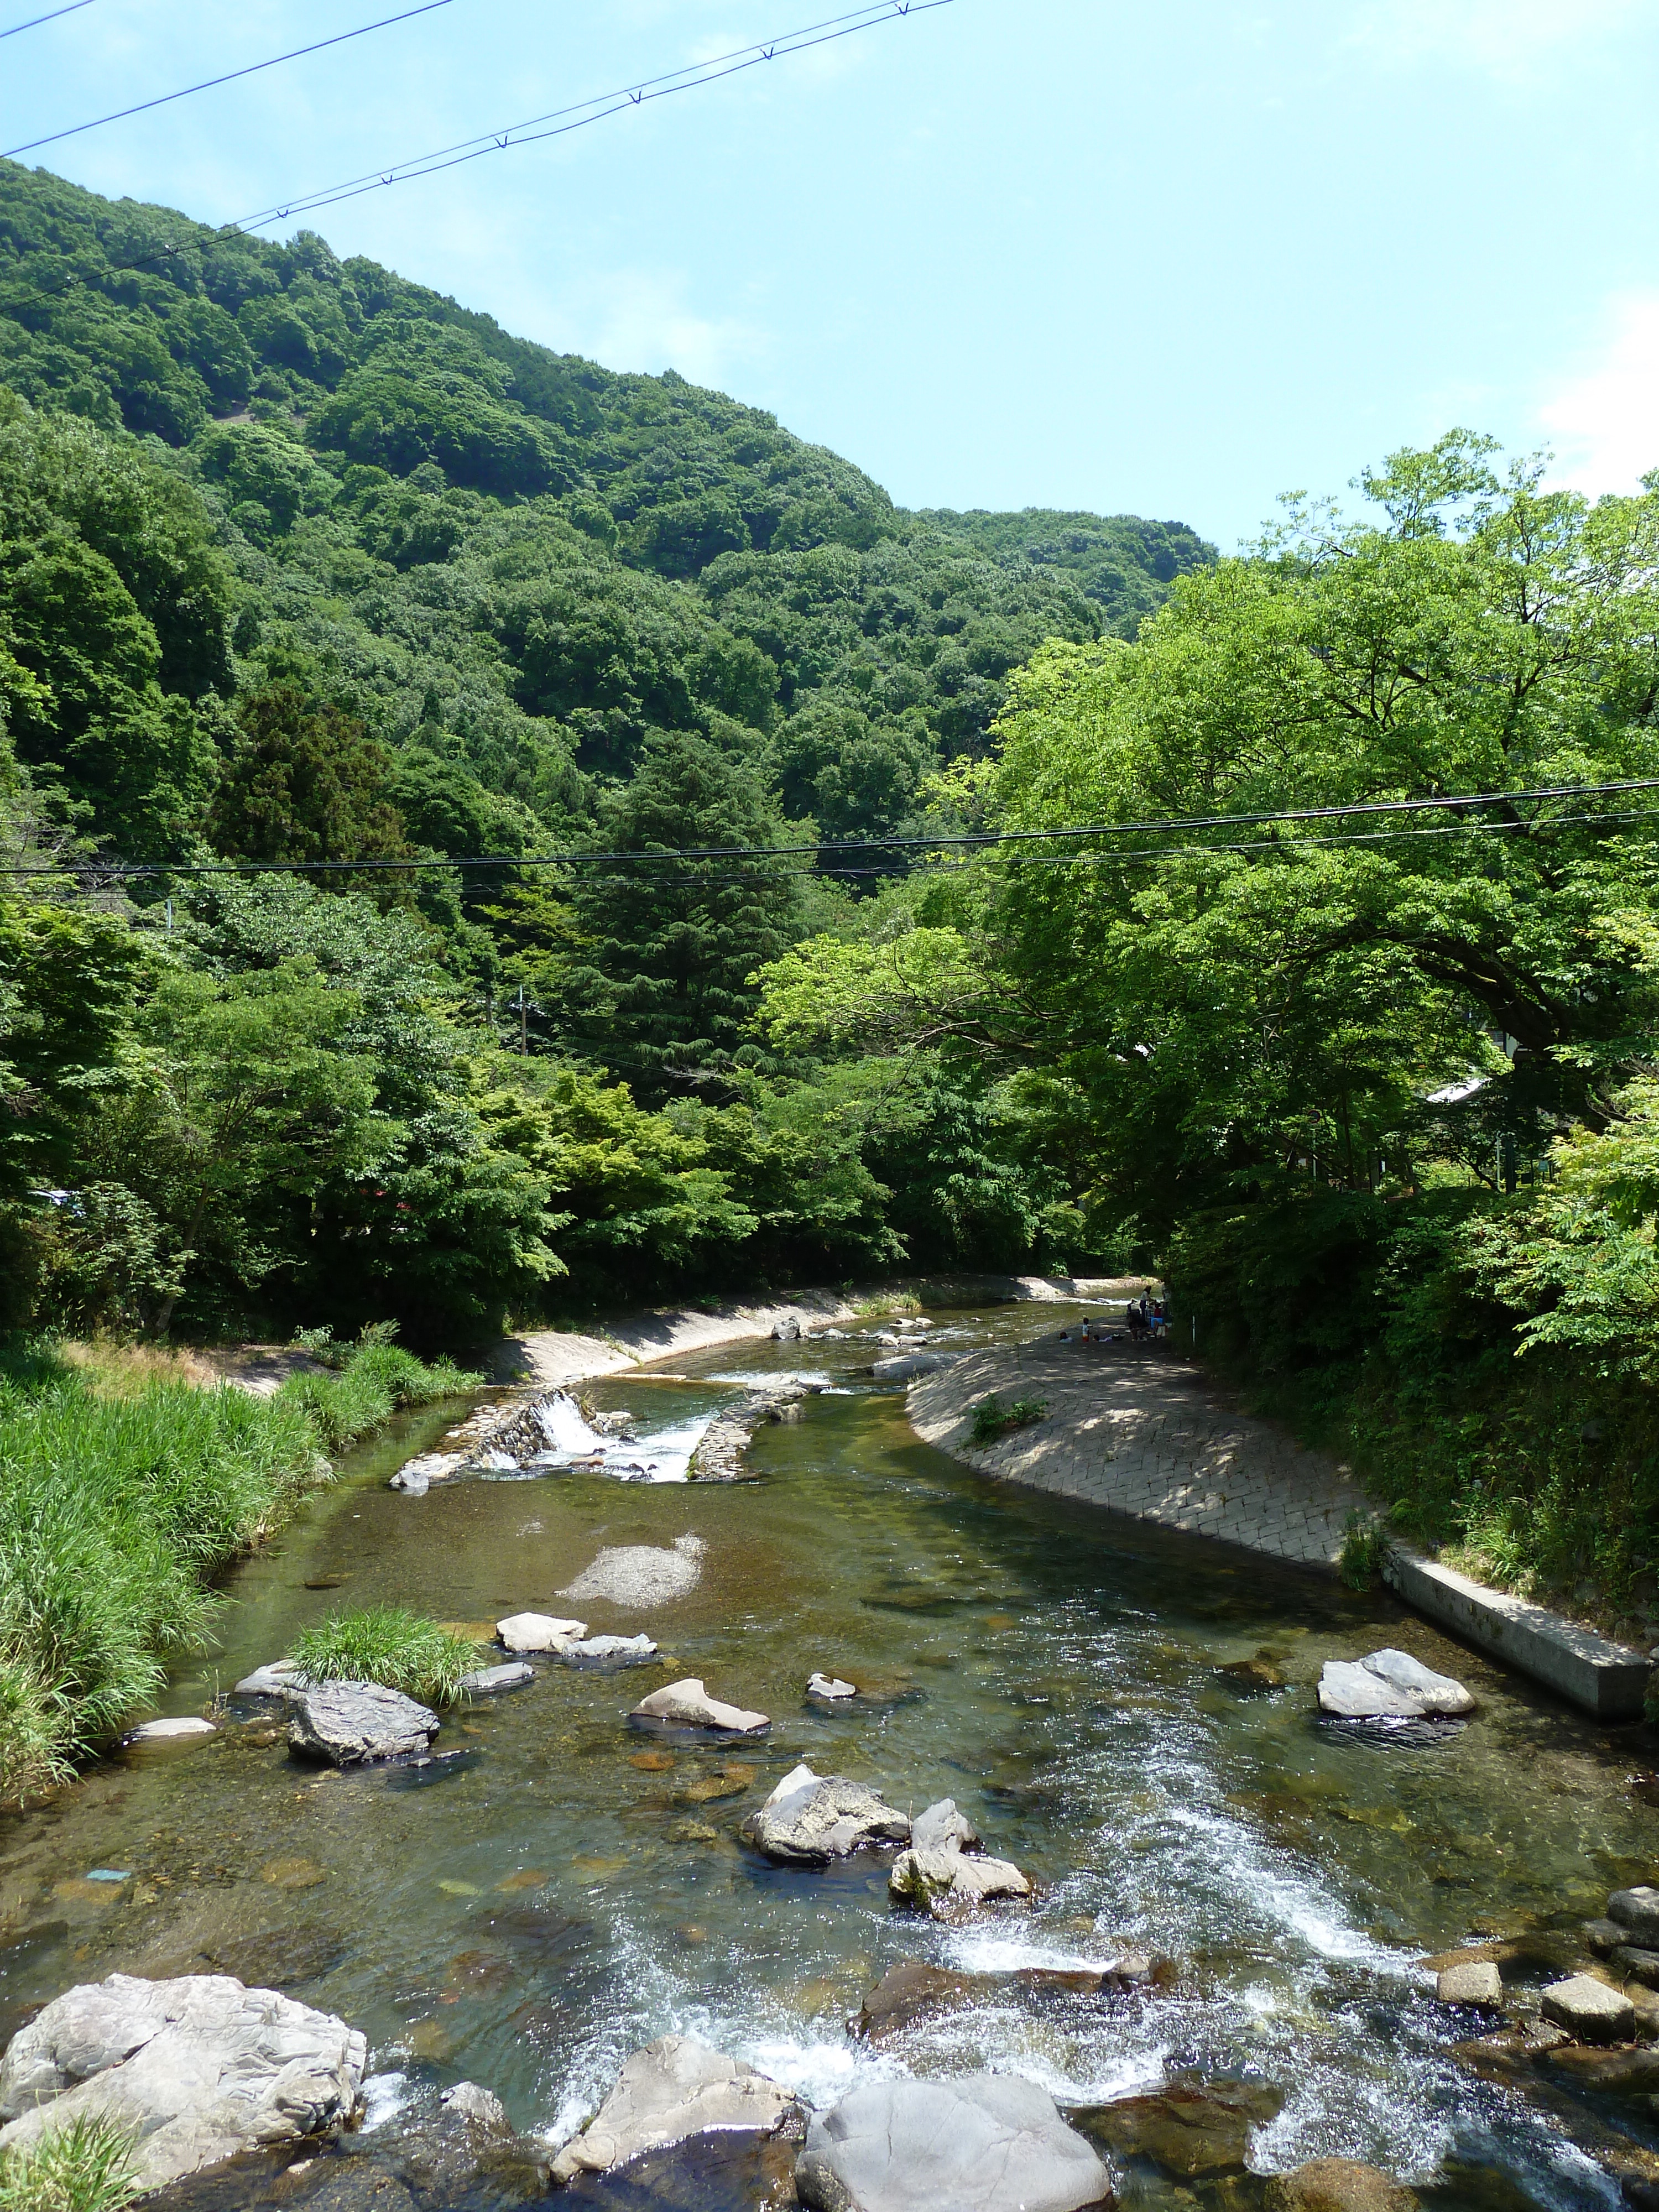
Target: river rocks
x=988 y=2142
x=1338 y=2184
x=952 y=1884
x=538 y=1632
x=281 y=1678
x=1189 y=2128
x=830 y=1686
x=905 y=1366
x=914 y=1990
x=787 y=1331
x=673 y=2088
x=1610 y=2073
x=941 y=1828
x=608 y=1652
x=1636 y=1965
x=482 y=2107
x=1588 y=2010
x=1476 y=1983
x=1637 y=1911
x=351 y=1723
x=942 y=1872
x=186 y=1730
x=641 y=1576
x=1389 y=1685
x=688 y=1705
x=201 y=2068
x=810 y=1819
x=490 y=1681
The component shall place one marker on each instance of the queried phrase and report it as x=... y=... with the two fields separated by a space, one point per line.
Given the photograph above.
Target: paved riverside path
x=1135 y=1429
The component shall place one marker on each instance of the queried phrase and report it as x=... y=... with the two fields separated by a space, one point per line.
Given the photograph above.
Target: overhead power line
x=166 y=99
x=683 y=864
x=50 y=16
x=556 y=123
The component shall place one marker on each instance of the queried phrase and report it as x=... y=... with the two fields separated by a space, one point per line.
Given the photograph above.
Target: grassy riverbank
x=123 y=1491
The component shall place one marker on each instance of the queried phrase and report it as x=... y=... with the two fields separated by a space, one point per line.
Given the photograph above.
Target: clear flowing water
x=572 y=1887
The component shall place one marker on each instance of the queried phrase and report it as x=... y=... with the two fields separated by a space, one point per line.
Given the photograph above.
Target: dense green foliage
x=118 y=1505
x=85 y=2164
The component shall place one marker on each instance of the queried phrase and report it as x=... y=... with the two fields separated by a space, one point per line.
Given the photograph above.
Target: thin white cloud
x=640 y=319
x=1510 y=39
x=1602 y=419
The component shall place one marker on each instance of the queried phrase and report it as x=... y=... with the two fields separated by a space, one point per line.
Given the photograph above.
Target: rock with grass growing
x=192 y=2071
x=399 y=1650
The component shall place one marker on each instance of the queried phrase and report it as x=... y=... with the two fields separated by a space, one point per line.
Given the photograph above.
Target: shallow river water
x=573 y=1887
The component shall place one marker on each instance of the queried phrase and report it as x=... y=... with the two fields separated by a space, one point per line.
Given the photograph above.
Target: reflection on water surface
x=528 y=1914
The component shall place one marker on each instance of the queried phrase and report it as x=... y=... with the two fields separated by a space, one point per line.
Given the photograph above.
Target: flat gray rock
x=511 y=1675
x=673 y=2088
x=351 y=1723
x=281 y=1678
x=186 y=1730
x=688 y=1705
x=641 y=1576
x=1389 y=1685
x=989 y=2143
x=610 y=1651
x=830 y=1685
x=1479 y=1984
x=201 y=2068
x=1637 y=1912
x=538 y=1632
x=1588 y=2010
x=905 y=1366
x=810 y=1819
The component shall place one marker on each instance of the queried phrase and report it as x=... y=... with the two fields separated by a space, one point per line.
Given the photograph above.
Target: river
x=527 y=1915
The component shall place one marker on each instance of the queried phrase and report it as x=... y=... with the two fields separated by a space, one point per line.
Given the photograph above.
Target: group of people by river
x=1145 y=1320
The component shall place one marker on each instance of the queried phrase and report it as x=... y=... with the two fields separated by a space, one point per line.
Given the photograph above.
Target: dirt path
x=1139 y=1431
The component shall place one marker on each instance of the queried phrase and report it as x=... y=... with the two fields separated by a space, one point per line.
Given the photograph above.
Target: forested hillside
x=304 y=564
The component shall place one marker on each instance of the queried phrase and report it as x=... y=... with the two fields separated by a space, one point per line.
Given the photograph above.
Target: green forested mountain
x=300 y=563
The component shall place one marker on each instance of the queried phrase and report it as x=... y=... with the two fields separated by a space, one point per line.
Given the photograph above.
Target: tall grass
x=85 y=2166
x=116 y=1510
x=384 y=1643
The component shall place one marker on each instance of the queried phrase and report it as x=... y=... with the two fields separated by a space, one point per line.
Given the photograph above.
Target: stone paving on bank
x=1133 y=1428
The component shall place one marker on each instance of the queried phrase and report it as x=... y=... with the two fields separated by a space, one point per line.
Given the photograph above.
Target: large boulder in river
x=1387 y=1686
x=810 y=1819
x=349 y=1722
x=688 y=1705
x=673 y=2088
x=201 y=2068
x=538 y=1632
x=1339 y=2184
x=989 y=2143
x=943 y=1872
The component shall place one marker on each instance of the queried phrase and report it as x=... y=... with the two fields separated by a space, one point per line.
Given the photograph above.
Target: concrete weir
x=1606 y=1679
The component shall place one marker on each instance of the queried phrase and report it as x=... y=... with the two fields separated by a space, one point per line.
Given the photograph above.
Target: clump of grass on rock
x=85 y=2166
x=993 y=1421
x=384 y=1643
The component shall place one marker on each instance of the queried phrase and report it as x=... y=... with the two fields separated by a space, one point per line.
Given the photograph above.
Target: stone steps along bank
x=1138 y=1431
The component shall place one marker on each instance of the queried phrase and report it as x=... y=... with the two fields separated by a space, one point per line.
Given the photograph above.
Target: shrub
x=1364 y=1544
x=376 y=1380
x=85 y=2166
x=387 y=1644
x=993 y=1420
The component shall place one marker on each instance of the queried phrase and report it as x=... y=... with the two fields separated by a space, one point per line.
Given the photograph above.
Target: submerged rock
x=1389 y=1685
x=673 y=2088
x=1189 y=2128
x=989 y=2143
x=1588 y=2010
x=905 y=1366
x=641 y=1576
x=914 y=1990
x=201 y=2068
x=607 y=1651
x=688 y=1705
x=488 y=1682
x=1339 y=2184
x=538 y=1632
x=810 y=1819
x=351 y=1723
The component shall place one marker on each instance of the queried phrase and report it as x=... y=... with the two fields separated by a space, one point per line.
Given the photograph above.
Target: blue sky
x=1171 y=260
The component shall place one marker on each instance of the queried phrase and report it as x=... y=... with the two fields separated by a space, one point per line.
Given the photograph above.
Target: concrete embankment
x=1138 y=1430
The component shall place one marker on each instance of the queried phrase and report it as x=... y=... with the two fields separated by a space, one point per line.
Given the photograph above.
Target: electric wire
x=166 y=99
x=659 y=871
x=50 y=16
x=635 y=94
